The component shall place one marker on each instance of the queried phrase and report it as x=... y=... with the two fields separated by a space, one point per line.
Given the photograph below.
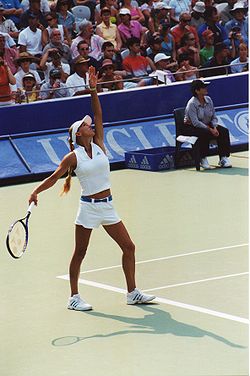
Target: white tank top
x=93 y=173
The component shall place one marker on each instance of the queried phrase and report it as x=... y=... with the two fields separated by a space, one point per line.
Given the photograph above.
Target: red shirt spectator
x=182 y=28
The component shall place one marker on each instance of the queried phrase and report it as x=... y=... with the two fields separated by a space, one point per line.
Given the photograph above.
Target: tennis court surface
x=191 y=233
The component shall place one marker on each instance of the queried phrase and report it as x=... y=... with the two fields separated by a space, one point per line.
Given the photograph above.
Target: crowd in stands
x=47 y=46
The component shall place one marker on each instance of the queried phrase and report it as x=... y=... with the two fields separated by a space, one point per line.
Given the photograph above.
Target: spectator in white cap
x=177 y=8
x=197 y=13
x=160 y=14
x=163 y=74
x=136 y=13
x=239 y=13
x=89 y=161
x=225 y=14
x=129 y=28
x=29 y=91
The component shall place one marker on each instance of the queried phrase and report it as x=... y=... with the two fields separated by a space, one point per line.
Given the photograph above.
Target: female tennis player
x=90 y=164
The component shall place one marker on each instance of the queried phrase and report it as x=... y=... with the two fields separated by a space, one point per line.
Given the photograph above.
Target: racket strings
x=17 y=239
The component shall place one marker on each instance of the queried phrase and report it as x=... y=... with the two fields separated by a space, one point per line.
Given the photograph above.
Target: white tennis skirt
x=92 y=215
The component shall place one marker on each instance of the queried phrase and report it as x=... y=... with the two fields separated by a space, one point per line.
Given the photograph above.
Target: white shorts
x=92 y=215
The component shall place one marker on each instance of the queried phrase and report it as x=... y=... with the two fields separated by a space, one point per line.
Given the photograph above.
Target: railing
x=157 y=82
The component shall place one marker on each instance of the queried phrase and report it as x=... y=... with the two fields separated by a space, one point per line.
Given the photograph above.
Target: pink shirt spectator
x=96 y=43
x=10 y=54
x=134 y=30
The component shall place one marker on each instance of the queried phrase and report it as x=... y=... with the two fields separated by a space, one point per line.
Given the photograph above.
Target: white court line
x=198 y=281
x=169 y=257
x=165 y=301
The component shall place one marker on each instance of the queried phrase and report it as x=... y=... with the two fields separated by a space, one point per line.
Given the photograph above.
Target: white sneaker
x=224 y=162
x=137 y=296
x=78 y=304
x=204 y=164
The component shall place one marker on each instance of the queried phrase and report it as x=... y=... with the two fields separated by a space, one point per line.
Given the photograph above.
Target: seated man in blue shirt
x=200 y=120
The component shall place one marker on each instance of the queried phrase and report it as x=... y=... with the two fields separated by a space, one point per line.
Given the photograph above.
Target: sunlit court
x=191 y=234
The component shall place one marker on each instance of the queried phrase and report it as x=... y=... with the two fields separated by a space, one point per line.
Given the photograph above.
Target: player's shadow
x=155 y=321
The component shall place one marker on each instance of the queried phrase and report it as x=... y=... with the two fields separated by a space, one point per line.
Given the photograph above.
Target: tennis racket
x=18 y=235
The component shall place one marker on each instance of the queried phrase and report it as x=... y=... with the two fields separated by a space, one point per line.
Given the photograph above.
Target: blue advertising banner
x=42 y=153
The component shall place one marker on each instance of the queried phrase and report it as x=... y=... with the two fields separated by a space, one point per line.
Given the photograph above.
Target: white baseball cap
x=124 y=11
x=76 y=125
x=161 y=56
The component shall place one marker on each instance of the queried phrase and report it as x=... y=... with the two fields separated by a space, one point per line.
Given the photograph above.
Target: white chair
x=124 y=53
x=135 y=4
x=81 y=12
x=220 y=7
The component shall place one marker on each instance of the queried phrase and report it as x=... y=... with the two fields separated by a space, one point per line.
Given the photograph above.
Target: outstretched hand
x=92 y=77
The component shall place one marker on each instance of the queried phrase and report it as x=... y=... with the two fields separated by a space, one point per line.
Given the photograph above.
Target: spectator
x=52 y=21
x=147 y=7
x=65 y=17
x=182 y=28
x=23 y=62
x=218 y=64
x=189 y=48
x=178 y=8
x=78 y=82
x=207 y=51
x=7 y=25
x=238 y=12
x=56 y=43
x=225 y=14
x=241 y=63
x=163 y=74
x=6 y=79
x=55 y=87
x=112 y=5
x=108 y=31
x=212 y=23
x=200 y=120
x=30 y=38
x=236 y=39
x=135 y=64
x=13 y=10
x=130 y=29
x=197 y=14
x=44 y=6
x=56 y=62
x=34 y=8
x=94 y=41
x=186 y=71
x=108 y=52
x=29 y=91
x=83 y=50
x=168 y=42
x=109 y=80
x=9 y=54
x=135 y=12
x=9 y=41
x=160 y=15
x=154 y=47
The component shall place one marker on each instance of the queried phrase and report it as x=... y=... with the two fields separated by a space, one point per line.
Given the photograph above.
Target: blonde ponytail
x=67 y=182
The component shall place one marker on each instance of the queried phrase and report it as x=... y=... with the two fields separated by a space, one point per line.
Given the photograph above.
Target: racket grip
x=30 y=207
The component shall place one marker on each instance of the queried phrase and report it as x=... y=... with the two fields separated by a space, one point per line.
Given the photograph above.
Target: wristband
x=92 y=88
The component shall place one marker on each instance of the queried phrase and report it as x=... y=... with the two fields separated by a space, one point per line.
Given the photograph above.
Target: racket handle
x=30 y=207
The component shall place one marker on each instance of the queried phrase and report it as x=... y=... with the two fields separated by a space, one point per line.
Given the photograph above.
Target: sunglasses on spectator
x=191 y=38
x=84 y=49
x=189 y=20
x=108 y=68
x=49 y=19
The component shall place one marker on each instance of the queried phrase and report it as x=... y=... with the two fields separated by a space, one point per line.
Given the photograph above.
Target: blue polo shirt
x=9 y=4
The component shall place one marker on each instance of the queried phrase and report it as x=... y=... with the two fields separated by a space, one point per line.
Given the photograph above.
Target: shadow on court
x=156 y=322
x=227 y=171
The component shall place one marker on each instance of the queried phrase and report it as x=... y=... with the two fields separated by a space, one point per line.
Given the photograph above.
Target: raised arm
x=97 y=109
